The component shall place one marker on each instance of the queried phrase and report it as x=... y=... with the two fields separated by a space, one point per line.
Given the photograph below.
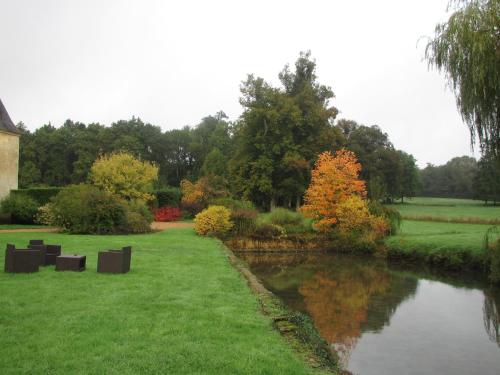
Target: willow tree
x=467 y=49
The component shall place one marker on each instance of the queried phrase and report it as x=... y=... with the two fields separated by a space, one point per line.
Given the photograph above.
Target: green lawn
x=182 y=309
x=448 y=209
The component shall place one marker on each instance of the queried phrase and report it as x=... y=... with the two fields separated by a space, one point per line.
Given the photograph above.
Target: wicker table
x=66 y=262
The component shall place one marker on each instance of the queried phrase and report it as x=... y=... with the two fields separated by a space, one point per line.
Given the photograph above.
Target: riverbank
x=182 y=309
x=451 y=246
x=445 y=233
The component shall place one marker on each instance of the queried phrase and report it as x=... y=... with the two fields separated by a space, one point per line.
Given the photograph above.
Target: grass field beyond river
x=182 y=309
x=443 y=230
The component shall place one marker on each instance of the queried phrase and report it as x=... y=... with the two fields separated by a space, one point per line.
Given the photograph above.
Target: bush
x=86 y=209
x=232 y=203
x=392 y=216
x=282 y=216
x=138 y=217
x=141 y=208
x=169 y=196
x=191 y=209
x=40 y=195
x=136 y=223
x=122 y=174
x=352 y=215
x=244 y=221
x=269 y=231
x=21 y=208
x=167 y=214
x=45 y=215
x=291 y=221
x=213 y=221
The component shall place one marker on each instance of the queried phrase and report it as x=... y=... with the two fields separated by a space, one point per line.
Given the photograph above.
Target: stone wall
x=9 y=162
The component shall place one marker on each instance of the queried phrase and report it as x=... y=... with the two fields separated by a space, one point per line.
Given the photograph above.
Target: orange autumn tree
x=335 y=180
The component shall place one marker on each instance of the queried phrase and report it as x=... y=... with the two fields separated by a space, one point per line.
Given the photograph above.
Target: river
x=385 y=319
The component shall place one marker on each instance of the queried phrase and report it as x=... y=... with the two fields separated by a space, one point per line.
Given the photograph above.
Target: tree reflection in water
x=491 y=316
x=344 y=295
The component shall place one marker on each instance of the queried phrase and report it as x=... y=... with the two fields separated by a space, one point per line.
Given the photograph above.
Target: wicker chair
x=114 y=261
x=38 y=245
x=21 y=260
x=49 y=253
x=53 y=251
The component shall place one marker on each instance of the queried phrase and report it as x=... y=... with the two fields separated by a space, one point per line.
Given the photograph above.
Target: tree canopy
x=267 y=154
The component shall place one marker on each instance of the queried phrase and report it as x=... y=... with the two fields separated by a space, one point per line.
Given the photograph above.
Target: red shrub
x=167 y=213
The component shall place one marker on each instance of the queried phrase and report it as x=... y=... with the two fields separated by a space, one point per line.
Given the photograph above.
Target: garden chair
x=49 y=252
x=38 y=245
x=114 y=261
x=21 y=260
x=53 y=251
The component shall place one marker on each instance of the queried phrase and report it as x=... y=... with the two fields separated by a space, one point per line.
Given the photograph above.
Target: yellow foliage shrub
x=213 y=221
x=192 y=193
x=122 y=174
x=352 y=215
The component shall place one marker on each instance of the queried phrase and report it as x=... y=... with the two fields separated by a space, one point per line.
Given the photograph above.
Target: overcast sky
x=172 y=63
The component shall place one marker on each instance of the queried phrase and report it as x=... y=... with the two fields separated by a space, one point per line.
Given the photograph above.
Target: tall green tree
x=409 y=181
x=467 y=49
x=280 y=133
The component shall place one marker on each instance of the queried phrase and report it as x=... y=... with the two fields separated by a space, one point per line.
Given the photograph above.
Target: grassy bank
x=451 y=245
x=181 y=309
x=446 y=232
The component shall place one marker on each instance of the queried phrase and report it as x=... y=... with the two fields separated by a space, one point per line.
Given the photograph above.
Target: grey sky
x=172 y=63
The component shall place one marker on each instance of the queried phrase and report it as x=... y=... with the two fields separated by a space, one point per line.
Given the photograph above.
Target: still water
x=383 y=319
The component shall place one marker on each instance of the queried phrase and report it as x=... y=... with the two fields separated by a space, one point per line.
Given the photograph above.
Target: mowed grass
x=182 y=309
x=447 y=245
x=449 y=210
x=436 y=236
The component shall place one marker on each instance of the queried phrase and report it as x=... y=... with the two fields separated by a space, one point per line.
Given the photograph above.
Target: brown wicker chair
x=53 y=251
x=21 y=260
x=42 y=250
x=114 y=261
x=48 y=253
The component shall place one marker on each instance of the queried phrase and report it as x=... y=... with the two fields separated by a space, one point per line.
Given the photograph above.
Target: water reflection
x=342 y=294
x=354 y=298
x=491 y=316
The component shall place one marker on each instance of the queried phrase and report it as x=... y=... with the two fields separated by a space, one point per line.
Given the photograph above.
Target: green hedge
x=40 y=195
x=170 y=196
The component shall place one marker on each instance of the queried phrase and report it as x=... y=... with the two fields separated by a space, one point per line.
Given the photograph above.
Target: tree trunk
x=273 y=203
x=297 y=202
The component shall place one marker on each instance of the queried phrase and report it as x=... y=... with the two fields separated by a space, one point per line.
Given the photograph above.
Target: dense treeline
x=60 y=156
x=463 y=177
x=267 y=154
x=452 y=180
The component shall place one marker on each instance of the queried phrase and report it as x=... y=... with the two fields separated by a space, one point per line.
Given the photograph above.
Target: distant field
x=449 y=210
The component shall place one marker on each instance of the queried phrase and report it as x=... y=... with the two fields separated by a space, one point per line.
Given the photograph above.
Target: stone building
x=9 y=153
